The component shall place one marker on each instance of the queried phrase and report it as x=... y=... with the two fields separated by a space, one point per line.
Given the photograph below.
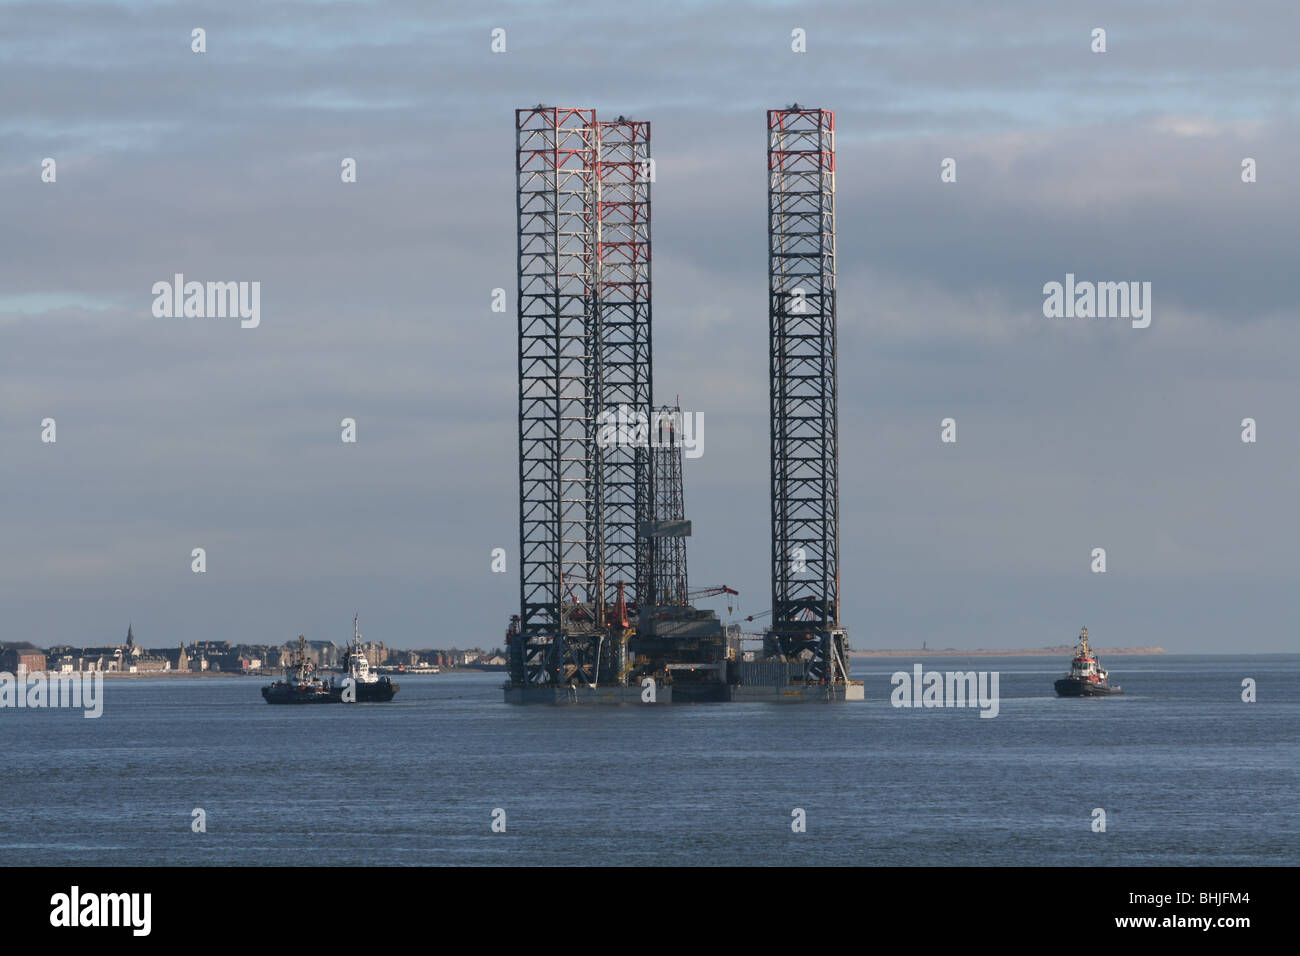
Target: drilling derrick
x=560 y=538
x=685 y=650
x=623 y=312
x=669 y=528
x=804 y=427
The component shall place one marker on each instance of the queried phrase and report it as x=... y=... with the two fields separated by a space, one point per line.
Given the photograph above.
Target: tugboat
x=1086 y=677
x=300 y=684
x=368 y=686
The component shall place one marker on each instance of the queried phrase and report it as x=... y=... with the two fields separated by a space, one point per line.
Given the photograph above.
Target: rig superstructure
x=605 y=604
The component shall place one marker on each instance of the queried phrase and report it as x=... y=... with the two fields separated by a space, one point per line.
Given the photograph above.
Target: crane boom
x=712 y=592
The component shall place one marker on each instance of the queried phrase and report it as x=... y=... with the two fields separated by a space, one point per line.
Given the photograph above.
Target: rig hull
x=801 y=693
x=583 y=694
x=691 y=659
x=688 y=694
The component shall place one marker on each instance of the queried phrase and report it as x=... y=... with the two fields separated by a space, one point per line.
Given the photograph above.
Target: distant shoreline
x=1063 y=650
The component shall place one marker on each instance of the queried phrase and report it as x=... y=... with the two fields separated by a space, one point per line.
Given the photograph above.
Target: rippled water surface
x=1186 y=772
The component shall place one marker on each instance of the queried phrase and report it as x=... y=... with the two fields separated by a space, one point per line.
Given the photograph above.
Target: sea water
x=1183 y=771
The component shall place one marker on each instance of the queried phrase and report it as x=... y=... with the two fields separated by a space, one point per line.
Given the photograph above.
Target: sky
x=1072 y=433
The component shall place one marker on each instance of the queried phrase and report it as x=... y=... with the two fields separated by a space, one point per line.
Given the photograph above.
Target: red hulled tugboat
x=1086 y=677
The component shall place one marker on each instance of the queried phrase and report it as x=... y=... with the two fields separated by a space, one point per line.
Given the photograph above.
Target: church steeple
x=130 y=635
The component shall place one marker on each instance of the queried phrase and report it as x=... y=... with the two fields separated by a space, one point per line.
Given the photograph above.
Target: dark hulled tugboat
x=300 y=684
x=1086 y=677
x=368 y=685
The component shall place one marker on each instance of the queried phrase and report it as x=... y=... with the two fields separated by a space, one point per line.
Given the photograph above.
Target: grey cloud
x=375 y=304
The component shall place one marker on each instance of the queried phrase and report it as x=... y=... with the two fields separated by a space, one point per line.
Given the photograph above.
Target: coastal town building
x=224 y=657
x=323 y=653
x=106 y=658
x=21 y=656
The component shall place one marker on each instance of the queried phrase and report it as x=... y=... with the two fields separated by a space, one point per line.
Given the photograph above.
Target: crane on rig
x=713 y=592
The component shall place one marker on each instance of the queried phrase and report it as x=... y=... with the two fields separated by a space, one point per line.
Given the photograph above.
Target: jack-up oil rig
x=606 y=613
